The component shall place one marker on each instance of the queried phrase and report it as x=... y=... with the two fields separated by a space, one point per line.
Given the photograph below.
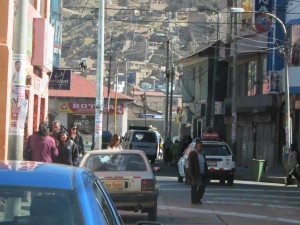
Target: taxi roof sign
x=210 y=135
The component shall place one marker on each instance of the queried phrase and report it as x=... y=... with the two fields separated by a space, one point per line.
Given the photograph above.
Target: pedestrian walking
x=115 y=142
x=198 y=173
x=68 y=153
x=293 y=165
x=77 y=138
x=167 y=150
x=42 y=147
x=175 y=152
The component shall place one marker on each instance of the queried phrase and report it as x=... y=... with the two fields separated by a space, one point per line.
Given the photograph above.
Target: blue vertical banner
x=56 y=22
x=263 y=23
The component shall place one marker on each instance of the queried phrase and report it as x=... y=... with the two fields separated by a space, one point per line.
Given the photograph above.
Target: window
x=25 y=205
x=217 y=150
x=144 y=137
x=116 y=162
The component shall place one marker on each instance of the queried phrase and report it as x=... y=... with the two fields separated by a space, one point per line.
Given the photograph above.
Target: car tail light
x=148 y=185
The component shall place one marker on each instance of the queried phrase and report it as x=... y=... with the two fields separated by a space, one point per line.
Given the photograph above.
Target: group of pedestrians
x=57 y=146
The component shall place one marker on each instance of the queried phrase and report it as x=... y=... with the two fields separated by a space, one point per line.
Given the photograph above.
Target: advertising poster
x=18 y=117
x=19 y=70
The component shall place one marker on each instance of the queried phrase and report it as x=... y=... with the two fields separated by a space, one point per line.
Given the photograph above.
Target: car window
x=116 y=162
x=144 y=137
x=104 y=205
x=217 y=150
x=25 y=205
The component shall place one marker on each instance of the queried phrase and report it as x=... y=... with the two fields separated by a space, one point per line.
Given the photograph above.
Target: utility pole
x=167 y=89
x=146 y=52
x=126 y=75
x=18 y=101
x=171 y=101
x=171 y=93
x=212 y=118
x=145 y=106
x=116 y=99
x=234 y=84
x=169 y=21
x=108 y=84
x=99 y=91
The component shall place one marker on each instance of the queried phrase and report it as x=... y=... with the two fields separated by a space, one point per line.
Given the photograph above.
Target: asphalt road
x=246 y=202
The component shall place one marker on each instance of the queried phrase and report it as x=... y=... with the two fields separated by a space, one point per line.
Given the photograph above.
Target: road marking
x=253 y=204
x=250 y=189
x=253 y=195
x=234 y=214
x=260 y=200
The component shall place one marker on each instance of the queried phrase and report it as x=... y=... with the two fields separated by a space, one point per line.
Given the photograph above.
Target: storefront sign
x=263 y=22
x=60 y=80
x=88 y=108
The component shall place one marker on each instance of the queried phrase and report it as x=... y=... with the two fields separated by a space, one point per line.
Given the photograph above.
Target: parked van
x=145 y=140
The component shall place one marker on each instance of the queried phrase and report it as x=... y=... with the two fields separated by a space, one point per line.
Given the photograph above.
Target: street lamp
x=286 y=76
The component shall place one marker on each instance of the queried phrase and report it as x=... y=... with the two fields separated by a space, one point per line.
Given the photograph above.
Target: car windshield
x=218 y=150
x=144 y=137
x=28 y=206
x=116 y=162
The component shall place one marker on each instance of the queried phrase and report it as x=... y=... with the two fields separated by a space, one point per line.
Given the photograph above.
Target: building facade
x=75 y=104
x=29 y=54
x=251 y=120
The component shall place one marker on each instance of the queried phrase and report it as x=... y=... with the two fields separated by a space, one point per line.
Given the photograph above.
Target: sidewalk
x=275 y=175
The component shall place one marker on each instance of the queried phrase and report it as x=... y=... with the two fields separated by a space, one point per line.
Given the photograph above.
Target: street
x=246 y=202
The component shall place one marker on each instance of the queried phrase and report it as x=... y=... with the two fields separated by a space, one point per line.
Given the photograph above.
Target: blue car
x=34 y=193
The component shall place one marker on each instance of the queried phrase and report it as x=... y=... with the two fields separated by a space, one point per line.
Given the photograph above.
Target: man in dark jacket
x=198 y=173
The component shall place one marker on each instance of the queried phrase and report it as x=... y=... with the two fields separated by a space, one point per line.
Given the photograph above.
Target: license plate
x=113 y=185
x=212 y=164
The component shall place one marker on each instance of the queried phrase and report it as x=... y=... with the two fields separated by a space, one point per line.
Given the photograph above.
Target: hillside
x=139 y=30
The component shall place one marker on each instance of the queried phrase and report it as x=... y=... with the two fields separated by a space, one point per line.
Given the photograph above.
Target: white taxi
x=220 y=160
x=128 y=178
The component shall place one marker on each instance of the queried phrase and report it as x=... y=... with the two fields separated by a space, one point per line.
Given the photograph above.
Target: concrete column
x=6 y=33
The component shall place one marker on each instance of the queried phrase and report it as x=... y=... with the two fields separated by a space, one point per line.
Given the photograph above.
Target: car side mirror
x=147 y=223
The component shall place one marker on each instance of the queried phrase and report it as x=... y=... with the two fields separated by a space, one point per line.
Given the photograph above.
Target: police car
x=220 y=159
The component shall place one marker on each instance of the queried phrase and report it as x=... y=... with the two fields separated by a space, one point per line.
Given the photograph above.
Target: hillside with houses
x=136 y=33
